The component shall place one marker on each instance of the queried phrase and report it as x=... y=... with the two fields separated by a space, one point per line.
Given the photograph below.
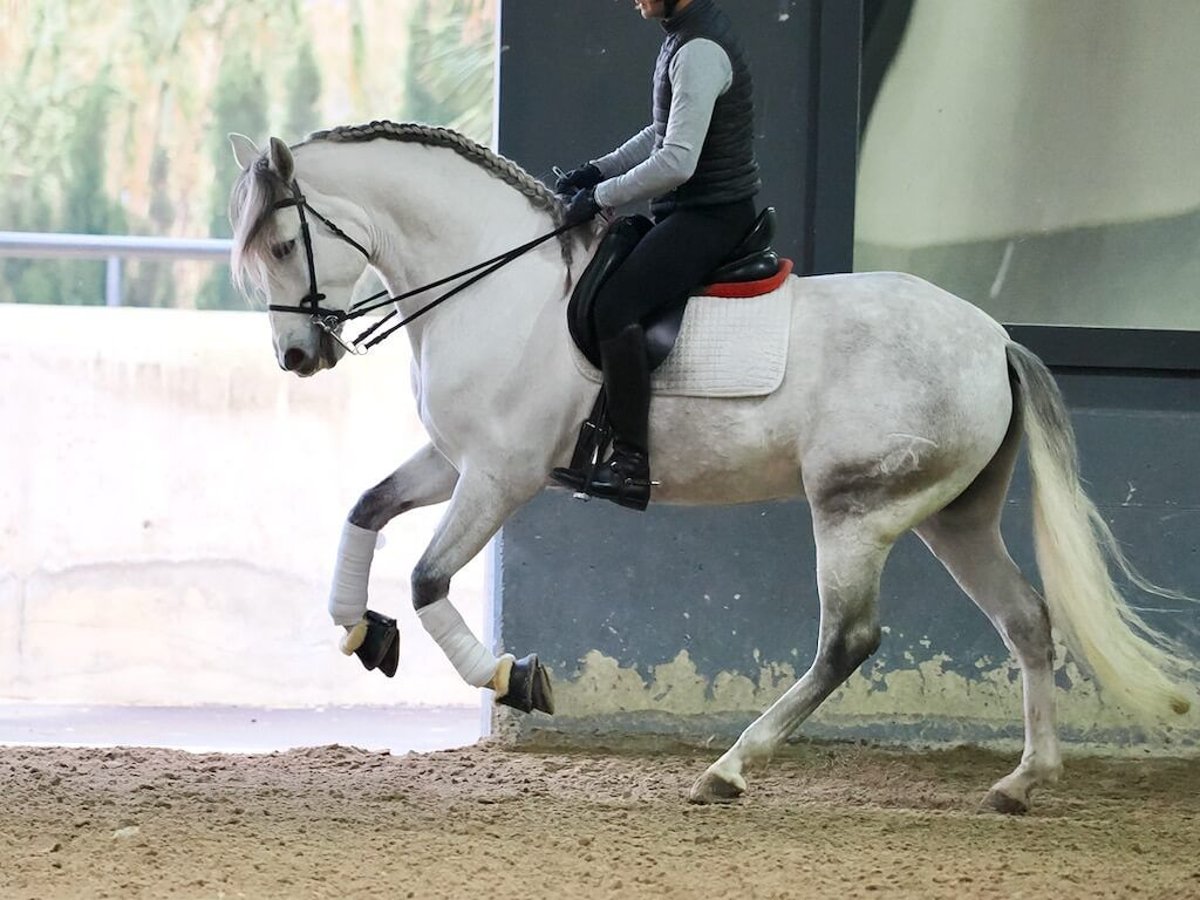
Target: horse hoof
x=713 y=788
x=999 y=802
x=529 y=687
x=380 y=649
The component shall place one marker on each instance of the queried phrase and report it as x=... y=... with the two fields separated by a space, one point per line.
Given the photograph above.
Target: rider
x=696 y=165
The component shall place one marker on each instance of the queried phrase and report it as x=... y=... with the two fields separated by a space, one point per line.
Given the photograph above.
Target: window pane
x=1038 y=158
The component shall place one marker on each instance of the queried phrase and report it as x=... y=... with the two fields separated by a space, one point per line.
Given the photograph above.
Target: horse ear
x=281 y=159
x=244 y=150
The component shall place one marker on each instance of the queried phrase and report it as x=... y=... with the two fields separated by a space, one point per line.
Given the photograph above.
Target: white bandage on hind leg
x=473 y=661
x=348 y=596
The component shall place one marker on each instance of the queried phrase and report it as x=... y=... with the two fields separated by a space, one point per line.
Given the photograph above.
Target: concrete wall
x=170 y=505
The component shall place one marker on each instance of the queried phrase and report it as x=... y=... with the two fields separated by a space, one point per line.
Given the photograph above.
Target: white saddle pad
x=727 y=347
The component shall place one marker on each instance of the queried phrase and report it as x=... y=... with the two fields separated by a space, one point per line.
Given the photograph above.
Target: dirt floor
x=837 y=821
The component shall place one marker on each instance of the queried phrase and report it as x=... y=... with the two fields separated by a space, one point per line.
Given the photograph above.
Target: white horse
x=902 y=408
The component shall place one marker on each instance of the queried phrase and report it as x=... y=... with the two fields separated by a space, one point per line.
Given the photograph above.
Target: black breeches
x=670 y=261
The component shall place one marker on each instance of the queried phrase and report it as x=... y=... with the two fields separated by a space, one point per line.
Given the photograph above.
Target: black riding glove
x=582 y=208
x=587 y=176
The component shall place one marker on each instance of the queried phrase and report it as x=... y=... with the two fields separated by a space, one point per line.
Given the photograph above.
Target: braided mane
x=433 y=136
x=257 y=189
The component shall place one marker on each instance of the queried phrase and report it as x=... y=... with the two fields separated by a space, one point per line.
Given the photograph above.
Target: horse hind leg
x=850 y=561
x=965 y=537
x=858 y=513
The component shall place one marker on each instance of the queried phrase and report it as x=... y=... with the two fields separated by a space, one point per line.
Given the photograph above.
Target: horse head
x=296 y=257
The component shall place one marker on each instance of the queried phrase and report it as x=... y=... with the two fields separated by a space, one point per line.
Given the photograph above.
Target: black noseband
x=310 y=303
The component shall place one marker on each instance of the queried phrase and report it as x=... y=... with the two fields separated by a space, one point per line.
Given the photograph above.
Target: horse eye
x=279 y=251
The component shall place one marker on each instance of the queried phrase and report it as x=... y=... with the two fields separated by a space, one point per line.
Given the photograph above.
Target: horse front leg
x=481 y=503
x=426 y=478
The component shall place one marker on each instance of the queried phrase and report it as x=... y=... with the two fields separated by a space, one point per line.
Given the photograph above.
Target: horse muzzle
x=299 y=361
x=306 y=361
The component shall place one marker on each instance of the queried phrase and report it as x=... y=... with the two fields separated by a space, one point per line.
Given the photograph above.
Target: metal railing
x=111 y=248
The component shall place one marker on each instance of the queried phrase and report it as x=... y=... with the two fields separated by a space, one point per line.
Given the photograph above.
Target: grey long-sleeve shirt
x=700 y=73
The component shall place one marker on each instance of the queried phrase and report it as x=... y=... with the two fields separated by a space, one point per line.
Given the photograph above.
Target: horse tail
x=1143 y=669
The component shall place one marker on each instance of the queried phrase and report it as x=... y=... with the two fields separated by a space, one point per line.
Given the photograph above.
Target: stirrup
x=584 y=489
x=595 y=437
x=612 y=481
x=575 y=479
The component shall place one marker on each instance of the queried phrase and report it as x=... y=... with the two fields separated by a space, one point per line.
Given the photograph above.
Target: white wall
x=170 y=505
x=1004 y=117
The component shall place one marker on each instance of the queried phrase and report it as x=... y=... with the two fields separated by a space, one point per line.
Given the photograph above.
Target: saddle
x=752 y=269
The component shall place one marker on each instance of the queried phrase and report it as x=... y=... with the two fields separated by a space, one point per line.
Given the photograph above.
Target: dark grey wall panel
x=575 y=80
x=607 y=596
x=690 y=621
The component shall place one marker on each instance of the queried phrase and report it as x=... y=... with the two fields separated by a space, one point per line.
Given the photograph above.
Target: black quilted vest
x=727 y=170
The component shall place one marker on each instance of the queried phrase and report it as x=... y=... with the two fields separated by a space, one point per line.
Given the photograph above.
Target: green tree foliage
x=151 y=282
x=358 y=49
x=303 y=94
x=27 y=280
x=87 y=207
x=239 y=105
x=114 y=116
x=450 y=67
x=84 y=207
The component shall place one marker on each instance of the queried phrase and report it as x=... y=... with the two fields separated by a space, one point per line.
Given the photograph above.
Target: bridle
x=330 y=320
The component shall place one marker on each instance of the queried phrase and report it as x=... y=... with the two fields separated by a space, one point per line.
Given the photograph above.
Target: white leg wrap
x=472 y=660
x=348 y=597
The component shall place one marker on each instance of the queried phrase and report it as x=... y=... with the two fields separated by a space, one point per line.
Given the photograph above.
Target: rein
x=329 y=320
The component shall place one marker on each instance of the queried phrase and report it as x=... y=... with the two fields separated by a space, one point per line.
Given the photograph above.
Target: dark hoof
x=997 y=802
x=380 y=649
x=713 y=788
x=529 y=687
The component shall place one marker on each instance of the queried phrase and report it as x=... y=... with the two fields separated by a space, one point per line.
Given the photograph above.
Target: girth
x=752 y=261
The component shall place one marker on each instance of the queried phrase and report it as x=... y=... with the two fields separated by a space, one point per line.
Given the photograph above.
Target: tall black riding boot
x=625 y=477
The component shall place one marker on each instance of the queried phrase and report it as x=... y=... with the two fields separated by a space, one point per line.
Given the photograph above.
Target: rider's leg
x=668 y=263
x=671 y=261
x=625 y=477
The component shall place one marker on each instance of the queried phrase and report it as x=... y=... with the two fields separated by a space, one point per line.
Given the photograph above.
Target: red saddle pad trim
x=748 y=288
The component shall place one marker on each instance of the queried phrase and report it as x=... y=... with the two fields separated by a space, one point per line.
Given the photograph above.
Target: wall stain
x=927 y=689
